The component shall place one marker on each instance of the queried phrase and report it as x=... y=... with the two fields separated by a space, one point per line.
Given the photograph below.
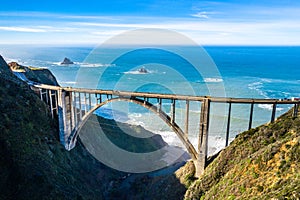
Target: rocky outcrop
x=43 y=76
x=14 y=66
x=38 y=75
x=67 y=61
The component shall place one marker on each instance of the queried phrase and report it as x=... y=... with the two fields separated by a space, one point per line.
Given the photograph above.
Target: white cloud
x=94 y=29
x=38 y=29
x=22 y=29
x=201 y=15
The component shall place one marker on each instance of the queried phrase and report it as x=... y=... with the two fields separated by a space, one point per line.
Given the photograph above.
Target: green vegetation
x=262 y=163
x=33 y=165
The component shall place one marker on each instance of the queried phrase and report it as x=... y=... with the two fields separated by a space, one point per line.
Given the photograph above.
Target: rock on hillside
x=262 y=163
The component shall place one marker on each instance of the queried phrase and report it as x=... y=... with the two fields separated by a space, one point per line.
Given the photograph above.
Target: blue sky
x=228 y=22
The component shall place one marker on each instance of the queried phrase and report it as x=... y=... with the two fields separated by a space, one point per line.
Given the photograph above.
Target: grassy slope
x=262 y=163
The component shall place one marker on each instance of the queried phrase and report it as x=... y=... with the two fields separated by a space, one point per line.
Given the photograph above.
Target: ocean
x=236 y=71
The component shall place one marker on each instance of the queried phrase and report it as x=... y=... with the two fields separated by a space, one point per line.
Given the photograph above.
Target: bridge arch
x=166 y=118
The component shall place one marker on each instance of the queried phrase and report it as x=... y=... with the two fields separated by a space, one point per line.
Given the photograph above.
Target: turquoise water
x=249 y=72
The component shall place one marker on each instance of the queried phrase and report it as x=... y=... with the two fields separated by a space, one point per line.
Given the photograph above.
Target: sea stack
x=143 y=70
x=67 y=61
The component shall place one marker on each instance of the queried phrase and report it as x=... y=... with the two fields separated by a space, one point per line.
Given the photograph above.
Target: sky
x=79 y=22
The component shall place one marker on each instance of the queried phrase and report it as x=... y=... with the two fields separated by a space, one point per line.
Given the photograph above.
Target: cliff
x=38 y=75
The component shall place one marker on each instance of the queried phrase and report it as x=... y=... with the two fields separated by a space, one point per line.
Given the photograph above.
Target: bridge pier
x=295 y=110
x=173 y=111
x=187 y=113
x=228 y=125
x=200 y=164
x=64 y=117
x=251 y=116
x=273 y=113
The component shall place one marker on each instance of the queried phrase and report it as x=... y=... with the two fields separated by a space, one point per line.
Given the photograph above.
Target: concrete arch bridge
x=73 y=106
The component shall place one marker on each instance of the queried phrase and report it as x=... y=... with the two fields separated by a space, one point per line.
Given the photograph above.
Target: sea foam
x=213 y=80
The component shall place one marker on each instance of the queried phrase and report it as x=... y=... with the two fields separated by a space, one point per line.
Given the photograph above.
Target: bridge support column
x=187 y=112
x=295 y=111
x=228 y=125
x=251 y=116
x=273 y=113
x=200 y=164
x=64 y=113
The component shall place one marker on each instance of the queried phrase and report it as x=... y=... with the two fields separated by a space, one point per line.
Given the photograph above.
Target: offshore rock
x=67 y=61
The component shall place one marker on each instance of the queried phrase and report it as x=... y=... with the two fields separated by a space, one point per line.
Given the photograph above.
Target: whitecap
x=269 y=107
x=213 y=80
x=95 y=65
x=138 y=72
x=265 y=106
x=255 y=85
x=56 y=63
x=138 y=115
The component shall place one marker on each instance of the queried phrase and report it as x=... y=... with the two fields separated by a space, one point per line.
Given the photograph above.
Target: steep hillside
x=39 y=75
x=263 y=163
x=34 y=165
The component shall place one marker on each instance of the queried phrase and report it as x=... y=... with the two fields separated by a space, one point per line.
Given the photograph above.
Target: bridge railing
x=85 y=99
x=82 y=100
x=252 y=102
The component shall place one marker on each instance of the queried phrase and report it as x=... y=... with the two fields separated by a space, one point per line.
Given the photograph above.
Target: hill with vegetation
x=262 y=163
x=33 y=164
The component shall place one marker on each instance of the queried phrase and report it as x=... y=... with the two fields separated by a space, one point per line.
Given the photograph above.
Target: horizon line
x=124 y=45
